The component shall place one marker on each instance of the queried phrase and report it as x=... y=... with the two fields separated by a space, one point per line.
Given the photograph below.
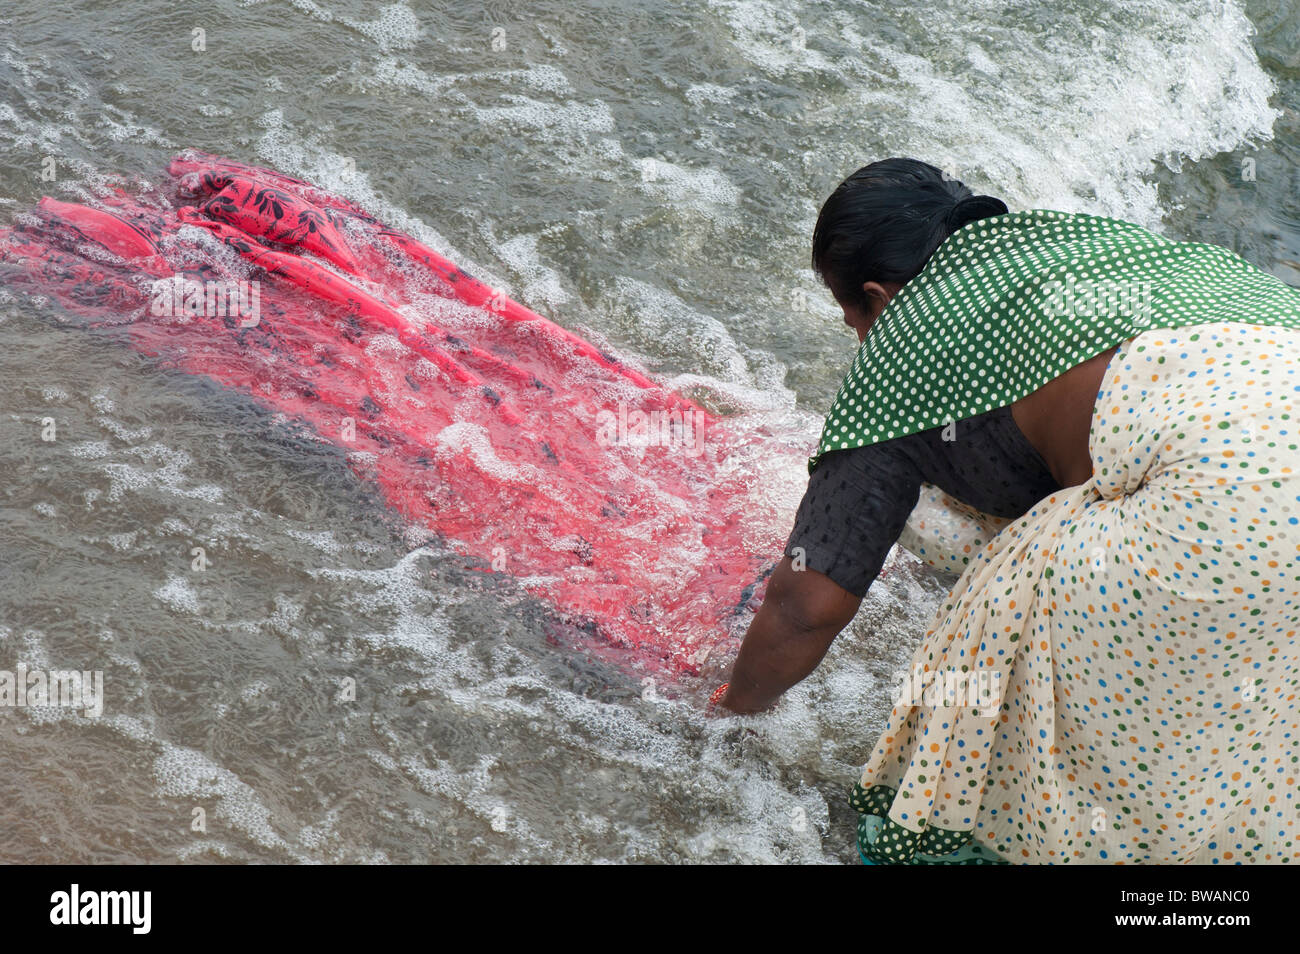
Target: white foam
x=650 y=315
x=390 y=71
x=121 y=542
x=774 y=36
x=162 y=468
x=557 y=122
x=542 y=285
x=322 y=540
x=90 y=450
x=395 y=28
x=184 y=773
x=695 y=186
x=1075 y=119
x=700 y=94
x=179 y=595
x=466 y=436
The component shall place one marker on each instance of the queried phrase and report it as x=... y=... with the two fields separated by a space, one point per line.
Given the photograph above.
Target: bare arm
x=805 y=610
x=801 y=615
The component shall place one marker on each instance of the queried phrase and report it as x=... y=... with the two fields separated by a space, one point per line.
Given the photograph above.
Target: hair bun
x=972 y=208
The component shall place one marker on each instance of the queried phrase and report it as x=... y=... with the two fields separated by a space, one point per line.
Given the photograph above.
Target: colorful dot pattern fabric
x=1142 y=631
x=945 y=533
x=1010 y=302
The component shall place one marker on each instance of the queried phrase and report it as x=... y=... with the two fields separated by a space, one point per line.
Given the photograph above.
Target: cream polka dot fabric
x=1140 y=631
x=945 y=533
x=1008 y=303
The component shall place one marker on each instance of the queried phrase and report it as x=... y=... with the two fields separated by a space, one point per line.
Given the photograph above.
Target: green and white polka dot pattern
x=883 y=842
x=1008 y=303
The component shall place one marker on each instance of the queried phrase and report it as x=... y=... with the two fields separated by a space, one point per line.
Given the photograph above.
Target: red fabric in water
x=492 y=427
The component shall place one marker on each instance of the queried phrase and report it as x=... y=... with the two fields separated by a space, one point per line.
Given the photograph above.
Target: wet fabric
x=627 y=508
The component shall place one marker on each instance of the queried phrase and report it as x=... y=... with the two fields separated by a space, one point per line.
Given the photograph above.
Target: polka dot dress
x=1141 y=631
x=945 y=533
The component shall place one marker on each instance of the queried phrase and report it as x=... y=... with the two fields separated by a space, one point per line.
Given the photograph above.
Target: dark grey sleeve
x=856 y=505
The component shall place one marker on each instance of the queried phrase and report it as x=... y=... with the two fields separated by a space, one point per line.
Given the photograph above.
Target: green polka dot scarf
x=1008 y=303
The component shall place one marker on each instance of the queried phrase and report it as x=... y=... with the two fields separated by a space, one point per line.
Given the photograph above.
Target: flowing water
x=335 y=686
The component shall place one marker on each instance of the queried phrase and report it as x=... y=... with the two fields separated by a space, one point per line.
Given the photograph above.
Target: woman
x=1119 y=413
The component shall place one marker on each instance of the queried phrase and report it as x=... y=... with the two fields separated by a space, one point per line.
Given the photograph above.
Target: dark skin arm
x=804 y=611
x=801 y=615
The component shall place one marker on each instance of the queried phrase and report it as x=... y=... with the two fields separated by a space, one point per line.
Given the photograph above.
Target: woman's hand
x=801 y=615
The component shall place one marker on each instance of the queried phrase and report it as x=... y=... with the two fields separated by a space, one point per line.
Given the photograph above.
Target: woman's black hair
x=884 y=222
